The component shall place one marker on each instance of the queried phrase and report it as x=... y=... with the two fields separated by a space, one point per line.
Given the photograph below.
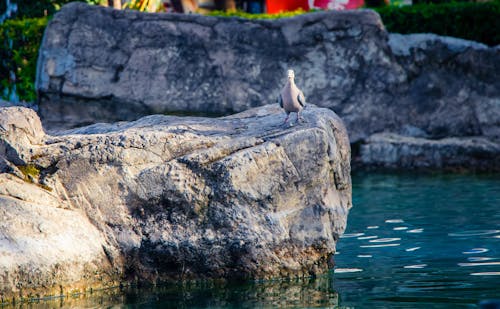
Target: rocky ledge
x=168 y=198
x=394 y=151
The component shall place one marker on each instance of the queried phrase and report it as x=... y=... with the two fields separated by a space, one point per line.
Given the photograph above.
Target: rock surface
x=393 y=151
x=102 y=65
x=169 y=197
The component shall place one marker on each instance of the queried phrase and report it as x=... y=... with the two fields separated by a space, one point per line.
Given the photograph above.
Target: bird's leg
x=286 y=119
x=300 y=119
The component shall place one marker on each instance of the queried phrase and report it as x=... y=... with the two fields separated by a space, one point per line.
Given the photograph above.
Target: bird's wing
x=280 y=101
x=301 y=99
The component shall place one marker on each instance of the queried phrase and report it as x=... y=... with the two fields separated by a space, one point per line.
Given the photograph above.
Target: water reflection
x=301 y=293
x=98 y=299
x=271 y=294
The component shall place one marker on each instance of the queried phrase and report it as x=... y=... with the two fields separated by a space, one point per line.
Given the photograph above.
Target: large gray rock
x=168 y=197
x=98 y=64
x=393 y=151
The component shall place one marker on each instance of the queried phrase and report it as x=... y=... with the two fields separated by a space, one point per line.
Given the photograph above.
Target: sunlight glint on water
x=444 y=233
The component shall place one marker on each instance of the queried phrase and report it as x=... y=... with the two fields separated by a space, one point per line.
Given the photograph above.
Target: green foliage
x=467 y=20
x=376 y=3
x=257 y=16
x=32 y=175
x=41 y=8
x=141 y=5
x=29 y=170
x=437 y=1
x=20 y=41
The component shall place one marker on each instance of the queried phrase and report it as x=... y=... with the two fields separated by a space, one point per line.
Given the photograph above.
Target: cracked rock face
x=168 y=198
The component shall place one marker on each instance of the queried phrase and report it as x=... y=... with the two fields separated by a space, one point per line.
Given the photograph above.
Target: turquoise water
x=425 y=241
x=421 y=242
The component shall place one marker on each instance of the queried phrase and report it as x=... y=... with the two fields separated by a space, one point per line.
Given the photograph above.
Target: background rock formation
x=166 y=197
x=98 y=64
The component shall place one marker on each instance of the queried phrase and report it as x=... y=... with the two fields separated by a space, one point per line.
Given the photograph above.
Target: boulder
x=393 y=151
x=97 y=64
x=170 y=198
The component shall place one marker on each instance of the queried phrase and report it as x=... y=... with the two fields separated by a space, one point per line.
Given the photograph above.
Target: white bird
x=291 y=98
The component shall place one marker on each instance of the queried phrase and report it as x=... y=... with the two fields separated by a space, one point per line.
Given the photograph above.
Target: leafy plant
x=20 y=41
x=29 y=170
x=42 y=8
x=246 y=15
x=32 y=175
x=467 y=20
x=142 y=5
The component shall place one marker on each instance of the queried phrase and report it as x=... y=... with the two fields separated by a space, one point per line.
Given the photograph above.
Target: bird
x=291 y=98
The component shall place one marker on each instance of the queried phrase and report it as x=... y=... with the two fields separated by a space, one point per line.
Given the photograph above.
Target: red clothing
x=276 y=6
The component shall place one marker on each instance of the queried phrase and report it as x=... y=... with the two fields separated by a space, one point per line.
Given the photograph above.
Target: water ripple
x=347 y=270
x=473 y=233
x=351 y=235
x=385 y=240
x=478 y=264
x=412 y=249
x=417 y=266
x=415 y=231
x=394 y=221
x=367 y=237
x=488 y=273
x=379 y=246
x=476 y=251
x=400 y=228
x=479 y=259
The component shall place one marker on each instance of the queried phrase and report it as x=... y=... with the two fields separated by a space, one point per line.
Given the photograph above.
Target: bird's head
x=290 y=74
